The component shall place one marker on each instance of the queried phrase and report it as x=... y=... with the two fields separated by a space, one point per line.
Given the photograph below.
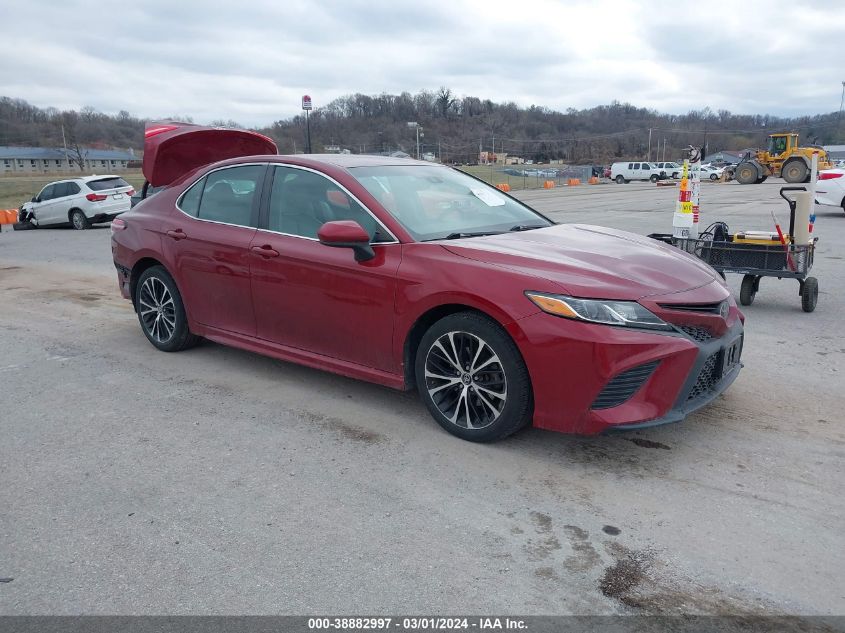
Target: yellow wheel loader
x=782 y=157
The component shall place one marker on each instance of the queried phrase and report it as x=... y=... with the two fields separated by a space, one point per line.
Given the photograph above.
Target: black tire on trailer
x=746 y=173
x=748 y=290
x=809 y=294
x=795 y=170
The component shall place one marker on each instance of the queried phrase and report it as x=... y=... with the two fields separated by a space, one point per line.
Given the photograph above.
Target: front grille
x=700 y=334
x=623 y=386
x=709 y=377
x=709 y=308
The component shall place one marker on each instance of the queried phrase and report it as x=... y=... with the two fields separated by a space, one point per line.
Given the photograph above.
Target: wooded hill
x=453 y=128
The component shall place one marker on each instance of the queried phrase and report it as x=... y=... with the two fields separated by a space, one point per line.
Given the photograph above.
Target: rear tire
x=654 y=178
x=471 y=377
x=161 y=312
x=78 y=220
x=795 y=171
x=619 y=180
x=748 y=290
x=714 y=177
x=809 y=294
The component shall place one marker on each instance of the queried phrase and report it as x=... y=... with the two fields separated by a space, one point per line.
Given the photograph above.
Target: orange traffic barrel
x=549 y=184
x=574 y=181
x=503 y=186
x=593 y=180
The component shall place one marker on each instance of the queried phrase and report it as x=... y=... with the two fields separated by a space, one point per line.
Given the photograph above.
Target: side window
x=61 y=190
x=646 y=166
x=190 y=200
x=48 y=193
x=228 y=195
x=72 y=188
x=636 y=165
x=630 y=165
x=302 y=201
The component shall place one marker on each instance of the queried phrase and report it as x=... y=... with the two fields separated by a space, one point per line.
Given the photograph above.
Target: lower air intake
x=623 y=386
x=709 y=377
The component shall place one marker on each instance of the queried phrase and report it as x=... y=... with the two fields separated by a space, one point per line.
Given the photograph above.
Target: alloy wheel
x=157 y=310
x=465 y=380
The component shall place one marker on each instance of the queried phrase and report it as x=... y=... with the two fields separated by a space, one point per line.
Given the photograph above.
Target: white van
x=626 y=172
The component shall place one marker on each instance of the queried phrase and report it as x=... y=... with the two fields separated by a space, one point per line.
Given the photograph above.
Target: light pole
x=418 y=127
x=842 y=100
x=306 y=105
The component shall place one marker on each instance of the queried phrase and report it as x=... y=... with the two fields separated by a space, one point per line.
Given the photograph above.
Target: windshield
x=434 y=202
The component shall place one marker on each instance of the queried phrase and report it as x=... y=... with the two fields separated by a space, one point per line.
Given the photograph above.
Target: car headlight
x=626 y=313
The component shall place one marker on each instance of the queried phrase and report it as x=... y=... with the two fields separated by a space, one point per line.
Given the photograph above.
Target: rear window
x=107 y=183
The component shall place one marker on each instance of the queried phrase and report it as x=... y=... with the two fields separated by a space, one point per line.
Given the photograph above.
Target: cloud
x=252 y=61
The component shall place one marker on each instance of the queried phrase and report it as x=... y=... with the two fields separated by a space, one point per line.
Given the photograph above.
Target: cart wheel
x=809 y=294
x=748 y=290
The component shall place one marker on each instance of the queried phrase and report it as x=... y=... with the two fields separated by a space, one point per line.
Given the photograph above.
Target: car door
x=45 y=206
x=315 y=297
x=206 y=241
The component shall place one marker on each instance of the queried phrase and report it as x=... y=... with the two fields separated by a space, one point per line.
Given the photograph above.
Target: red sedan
x=415 y=275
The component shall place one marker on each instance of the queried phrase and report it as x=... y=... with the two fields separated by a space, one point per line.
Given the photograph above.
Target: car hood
x=591 y=261
x=171 y=149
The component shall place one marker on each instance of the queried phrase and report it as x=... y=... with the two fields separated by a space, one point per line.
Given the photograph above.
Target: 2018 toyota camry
x=414 y=275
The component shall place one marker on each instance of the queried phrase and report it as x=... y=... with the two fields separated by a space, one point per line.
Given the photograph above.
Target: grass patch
x=17 y=189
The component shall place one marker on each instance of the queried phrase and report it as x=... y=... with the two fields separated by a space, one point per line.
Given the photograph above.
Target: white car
x=78 y=201
x=713 y=173
x=830 y=187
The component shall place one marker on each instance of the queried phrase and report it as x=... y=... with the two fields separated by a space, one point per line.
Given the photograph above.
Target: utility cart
x=756 y=255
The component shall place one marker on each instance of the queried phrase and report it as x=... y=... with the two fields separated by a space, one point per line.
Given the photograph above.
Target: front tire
x=471 y=377
x=746 y=174
x=161 y=311
x=79 y=221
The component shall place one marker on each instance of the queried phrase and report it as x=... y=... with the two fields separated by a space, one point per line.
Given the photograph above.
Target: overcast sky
x=252 y=60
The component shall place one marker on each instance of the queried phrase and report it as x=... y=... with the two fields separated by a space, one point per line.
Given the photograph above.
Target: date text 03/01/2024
x=420 y=623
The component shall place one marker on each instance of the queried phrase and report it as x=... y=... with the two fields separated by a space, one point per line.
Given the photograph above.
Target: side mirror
x=347 y=234
x=35 y=199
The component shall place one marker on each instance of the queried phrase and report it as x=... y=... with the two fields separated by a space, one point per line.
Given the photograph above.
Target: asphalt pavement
x=216 y=481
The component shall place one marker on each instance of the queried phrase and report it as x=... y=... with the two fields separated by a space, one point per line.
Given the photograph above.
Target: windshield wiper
x=527 y=227
x=457 y=236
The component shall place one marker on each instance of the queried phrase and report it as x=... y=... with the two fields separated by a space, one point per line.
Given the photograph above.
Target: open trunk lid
x=171 y=150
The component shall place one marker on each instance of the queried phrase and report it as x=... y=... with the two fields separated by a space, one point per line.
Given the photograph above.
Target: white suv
x=672 y=170
x=80 y=201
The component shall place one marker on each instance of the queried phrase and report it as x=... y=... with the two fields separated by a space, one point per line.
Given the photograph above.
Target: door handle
x=177 y=234
x=265 y=251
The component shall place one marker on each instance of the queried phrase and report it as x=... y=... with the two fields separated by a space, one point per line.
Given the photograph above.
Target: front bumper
x=571 y=364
